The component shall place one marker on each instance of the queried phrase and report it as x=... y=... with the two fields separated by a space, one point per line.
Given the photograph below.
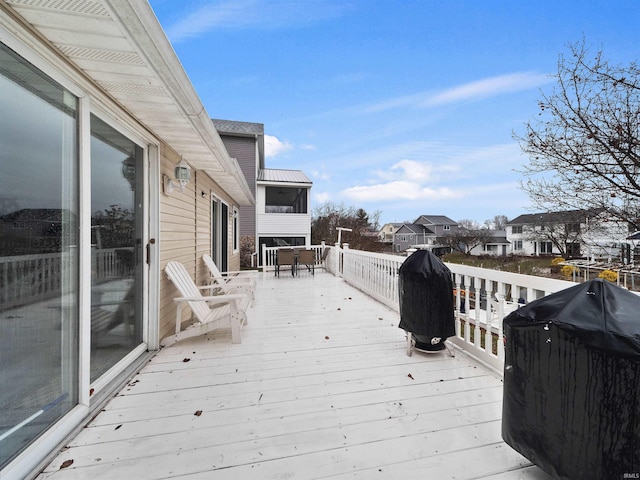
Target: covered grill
x=426 y=301
x=572 y=382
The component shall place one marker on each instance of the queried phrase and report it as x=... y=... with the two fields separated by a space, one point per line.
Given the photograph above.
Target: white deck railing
x=483 y=297
x=30 y=278
x=269 y=255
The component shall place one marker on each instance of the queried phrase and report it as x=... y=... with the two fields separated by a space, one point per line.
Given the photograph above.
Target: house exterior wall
x=185 y=234
x=387 y=231
x=174 y=227
x=282 y=224
x=601 y=240
x=245 y=151
x=405 y=238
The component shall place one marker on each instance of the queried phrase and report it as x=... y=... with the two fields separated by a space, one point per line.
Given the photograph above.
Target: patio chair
x=207 y=311
x=308 y=259
x=242 y=281
x=284 y=257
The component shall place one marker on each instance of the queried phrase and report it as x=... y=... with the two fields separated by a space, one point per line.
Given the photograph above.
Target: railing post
x=478 y=304
x=488 y=335
x=264 y=257
x=338 y=250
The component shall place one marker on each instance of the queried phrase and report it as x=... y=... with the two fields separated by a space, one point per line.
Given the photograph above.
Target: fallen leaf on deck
x=326 y=338
x=411 y=377
x=66 y=463
x=186 y=360
x=118 y=427
x=198 y=413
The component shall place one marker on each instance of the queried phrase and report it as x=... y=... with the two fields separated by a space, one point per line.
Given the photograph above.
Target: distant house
x=425 y=231
x=387 y=232
x=497 y=244
x=571 y=233
x=281 y=215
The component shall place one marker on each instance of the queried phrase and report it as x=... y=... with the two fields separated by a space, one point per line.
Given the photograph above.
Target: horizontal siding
x=243 y=149
x=279 y=224
x=185 y=234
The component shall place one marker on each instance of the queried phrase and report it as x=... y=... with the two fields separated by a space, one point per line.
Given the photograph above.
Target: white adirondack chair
x=231 y=282
x=207 y=311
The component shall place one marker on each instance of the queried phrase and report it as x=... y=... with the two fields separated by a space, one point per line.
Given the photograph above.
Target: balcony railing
x=483 y=297
x=31 y=278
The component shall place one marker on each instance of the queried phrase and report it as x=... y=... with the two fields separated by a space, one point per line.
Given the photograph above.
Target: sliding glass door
x=117 y=266
x=42 y=242
x=39 y=315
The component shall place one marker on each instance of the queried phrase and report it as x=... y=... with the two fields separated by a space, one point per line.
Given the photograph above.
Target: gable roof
x=556 y=217
x=434 y=220
x=415 y=228
x=283 y=176
x=233 y=127
x=120 y=46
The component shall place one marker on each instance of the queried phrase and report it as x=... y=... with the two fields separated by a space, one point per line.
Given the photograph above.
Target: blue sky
x=406 y=107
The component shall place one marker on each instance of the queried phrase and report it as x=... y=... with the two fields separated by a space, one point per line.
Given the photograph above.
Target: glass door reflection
x=117 y=260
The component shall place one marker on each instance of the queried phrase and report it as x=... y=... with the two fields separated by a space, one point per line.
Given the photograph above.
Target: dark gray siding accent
x=243 y=149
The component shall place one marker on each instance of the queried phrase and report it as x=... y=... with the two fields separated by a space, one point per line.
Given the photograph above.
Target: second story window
x=286 y=200
x=516 y=229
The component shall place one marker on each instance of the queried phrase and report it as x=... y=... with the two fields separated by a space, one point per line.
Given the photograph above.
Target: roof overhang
x=120 y=46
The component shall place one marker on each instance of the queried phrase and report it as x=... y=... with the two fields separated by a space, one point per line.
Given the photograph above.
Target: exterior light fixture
x=182 y=174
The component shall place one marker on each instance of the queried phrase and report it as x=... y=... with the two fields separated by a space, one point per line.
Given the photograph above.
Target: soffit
x=120 y=45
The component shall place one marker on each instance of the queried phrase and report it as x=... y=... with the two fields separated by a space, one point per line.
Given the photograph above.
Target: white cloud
x=273 y=146
x=254 y=14
x=399 y=190
x=476 y=90
x=321 y=175
x=419 y=172
x=322 y=197
x=489 y=87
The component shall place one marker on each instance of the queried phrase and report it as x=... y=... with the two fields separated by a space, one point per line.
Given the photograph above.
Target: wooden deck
x=321 y=387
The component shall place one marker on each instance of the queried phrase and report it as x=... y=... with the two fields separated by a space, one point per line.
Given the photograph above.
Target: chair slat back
x=208 y=261
x=179 y=276
x=285 y=257
x=307 y=257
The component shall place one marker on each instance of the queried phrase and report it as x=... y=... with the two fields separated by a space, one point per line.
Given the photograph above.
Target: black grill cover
x=572 y=382
x=426 y=297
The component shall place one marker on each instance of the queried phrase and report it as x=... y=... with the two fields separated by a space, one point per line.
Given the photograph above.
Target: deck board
x=320 y=387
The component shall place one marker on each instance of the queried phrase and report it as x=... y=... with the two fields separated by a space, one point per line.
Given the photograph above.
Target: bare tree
x=328 y=216
x=584 y=147
x=498 y=222
x=467 y=237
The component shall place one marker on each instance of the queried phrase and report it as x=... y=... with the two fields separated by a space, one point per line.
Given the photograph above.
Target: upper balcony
x=321 y=386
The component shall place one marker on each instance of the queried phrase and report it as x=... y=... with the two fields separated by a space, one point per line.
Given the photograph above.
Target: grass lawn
x=539 y=266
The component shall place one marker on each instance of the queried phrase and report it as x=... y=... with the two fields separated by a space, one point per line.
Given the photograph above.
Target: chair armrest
x=227 y=287
x=241 y=272
x=212 y=299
